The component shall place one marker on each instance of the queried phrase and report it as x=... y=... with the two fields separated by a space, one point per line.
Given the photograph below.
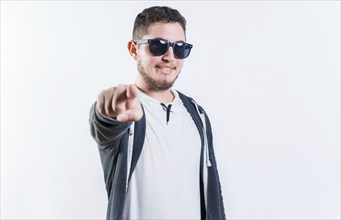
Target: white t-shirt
x=165 y=182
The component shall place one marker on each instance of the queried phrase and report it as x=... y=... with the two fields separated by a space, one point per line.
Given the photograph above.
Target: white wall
x=267 y=72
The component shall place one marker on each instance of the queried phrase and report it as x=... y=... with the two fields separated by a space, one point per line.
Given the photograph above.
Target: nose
x=169 y=55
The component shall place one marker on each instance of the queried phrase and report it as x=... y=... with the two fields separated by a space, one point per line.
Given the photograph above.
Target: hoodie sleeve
x=106 y=131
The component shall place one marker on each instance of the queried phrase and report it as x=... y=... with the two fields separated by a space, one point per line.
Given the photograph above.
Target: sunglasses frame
x=169 y=44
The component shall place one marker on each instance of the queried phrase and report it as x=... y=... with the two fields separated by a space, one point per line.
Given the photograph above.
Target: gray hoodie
x=113 y=139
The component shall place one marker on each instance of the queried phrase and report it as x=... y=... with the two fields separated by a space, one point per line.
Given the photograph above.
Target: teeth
x=166 y=69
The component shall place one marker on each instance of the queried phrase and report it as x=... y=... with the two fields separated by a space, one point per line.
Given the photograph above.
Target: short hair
x=153 y=15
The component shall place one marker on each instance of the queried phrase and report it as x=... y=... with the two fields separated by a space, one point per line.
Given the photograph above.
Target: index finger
x=131 y=91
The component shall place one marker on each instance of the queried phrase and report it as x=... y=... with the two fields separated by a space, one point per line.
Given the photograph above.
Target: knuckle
x=118 y=109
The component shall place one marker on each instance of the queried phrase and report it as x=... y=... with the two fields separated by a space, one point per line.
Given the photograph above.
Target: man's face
x=160 y=72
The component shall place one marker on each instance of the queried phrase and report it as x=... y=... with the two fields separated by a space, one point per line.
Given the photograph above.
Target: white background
x=267 y=72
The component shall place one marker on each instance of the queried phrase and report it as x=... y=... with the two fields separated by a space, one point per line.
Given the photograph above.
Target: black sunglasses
x=158 y=47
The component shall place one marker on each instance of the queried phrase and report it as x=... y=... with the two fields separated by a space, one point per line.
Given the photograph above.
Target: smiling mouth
x=166 y=69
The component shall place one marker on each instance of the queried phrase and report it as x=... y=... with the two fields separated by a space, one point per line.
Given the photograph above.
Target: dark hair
x=153 y=15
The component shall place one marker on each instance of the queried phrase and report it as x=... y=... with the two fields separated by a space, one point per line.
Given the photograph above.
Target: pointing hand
x=121 y=102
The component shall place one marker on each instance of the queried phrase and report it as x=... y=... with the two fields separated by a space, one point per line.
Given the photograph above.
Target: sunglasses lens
x=182 y=50
x=158 y=47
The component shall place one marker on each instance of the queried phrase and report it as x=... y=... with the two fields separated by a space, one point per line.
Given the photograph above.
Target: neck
x=163 y=96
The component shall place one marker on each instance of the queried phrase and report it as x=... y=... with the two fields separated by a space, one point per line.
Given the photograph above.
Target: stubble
x=154 y=85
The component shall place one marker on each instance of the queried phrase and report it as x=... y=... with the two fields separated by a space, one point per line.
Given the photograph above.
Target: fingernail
x=123 y=117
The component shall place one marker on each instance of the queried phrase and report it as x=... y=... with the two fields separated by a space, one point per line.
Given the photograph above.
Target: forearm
x=106 y=131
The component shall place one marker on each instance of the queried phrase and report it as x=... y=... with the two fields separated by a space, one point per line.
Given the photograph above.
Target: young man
x=155 y=143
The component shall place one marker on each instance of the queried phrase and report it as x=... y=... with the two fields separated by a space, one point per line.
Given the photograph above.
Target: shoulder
x=190 y=102
x=184 y=97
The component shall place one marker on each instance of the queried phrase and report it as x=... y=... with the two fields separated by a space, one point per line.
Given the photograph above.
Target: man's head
x=153 y=15
x=158 y=69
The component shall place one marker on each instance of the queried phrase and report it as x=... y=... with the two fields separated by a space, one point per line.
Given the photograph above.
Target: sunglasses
x=158 y=47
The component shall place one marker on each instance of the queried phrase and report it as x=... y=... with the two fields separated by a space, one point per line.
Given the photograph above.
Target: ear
x=132 y=48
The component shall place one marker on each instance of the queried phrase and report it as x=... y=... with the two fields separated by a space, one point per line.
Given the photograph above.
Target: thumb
x=130 y=115
x=122 y=117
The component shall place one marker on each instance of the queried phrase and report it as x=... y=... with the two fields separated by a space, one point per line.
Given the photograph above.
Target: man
x=155 y=143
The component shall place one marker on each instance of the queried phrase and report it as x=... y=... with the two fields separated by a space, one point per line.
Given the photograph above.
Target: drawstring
x=168 y=110
x=130 y=151
x=203 y=120
x=207 y=161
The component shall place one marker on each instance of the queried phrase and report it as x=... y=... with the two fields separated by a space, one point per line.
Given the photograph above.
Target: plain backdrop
x=267 y=73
